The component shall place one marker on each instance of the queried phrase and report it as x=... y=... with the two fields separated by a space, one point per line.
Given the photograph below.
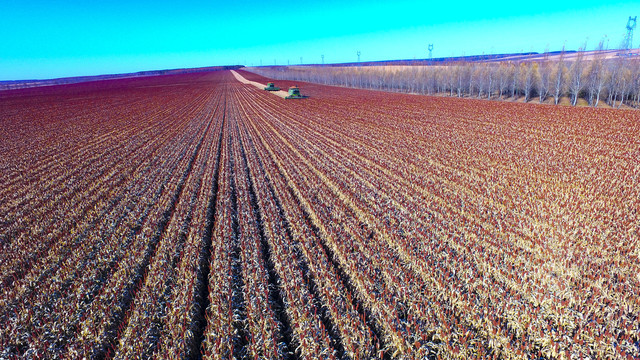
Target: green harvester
x=294 y=93
x=271 y=87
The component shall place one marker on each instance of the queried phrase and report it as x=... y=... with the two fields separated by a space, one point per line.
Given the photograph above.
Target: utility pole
x=430 y=47
x=322 y=56
x=358 y=52
x=627 y=43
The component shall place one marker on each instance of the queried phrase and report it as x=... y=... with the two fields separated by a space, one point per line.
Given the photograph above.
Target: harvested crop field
x=194 y=216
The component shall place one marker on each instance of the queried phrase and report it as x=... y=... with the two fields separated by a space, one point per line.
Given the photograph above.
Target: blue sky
x=49 y=39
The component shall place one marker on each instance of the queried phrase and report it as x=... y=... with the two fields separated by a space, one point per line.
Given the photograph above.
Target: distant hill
x=517 y=57
x=528 y=56
x=21 y=84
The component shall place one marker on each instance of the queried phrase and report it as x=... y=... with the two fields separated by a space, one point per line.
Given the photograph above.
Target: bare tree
x=469 y=76
x=576 y=77
x=614 y=80
x=527 y=78
x=451 y=78
x=635 y=86
x=515 y=75
x=596 y=76
x=480 y=78
x=434 y=80
x=460 y=79
x=503 y=79
x=559 y=78
x=624 y=85
x=490 y=74
x=472 y=75
x=544 y=80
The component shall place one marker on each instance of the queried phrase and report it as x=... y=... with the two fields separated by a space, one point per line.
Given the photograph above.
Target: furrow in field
x=196 y=322
x=310 y=335
x=337 y=164
x=218 y=337
x=146 y=323
x=265 y=336
x=55 y=177
x=500 y=275
x=59 y=293
x=112 y=326
x=344 y=308
x=295 y=194
x=63 y=222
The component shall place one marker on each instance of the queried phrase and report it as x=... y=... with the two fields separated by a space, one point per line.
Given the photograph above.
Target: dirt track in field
x=280 y=93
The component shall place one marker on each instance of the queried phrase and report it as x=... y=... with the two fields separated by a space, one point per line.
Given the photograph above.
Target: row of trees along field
x=595 y=80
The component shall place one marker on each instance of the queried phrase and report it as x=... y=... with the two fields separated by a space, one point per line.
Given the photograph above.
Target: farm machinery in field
x=294 y=93
x=271 y=87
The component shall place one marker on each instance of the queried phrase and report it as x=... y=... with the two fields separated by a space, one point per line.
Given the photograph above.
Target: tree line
x=614 y=81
